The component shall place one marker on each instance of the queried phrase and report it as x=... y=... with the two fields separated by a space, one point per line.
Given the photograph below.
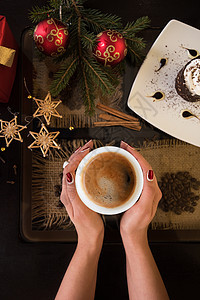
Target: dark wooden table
x=34 y=270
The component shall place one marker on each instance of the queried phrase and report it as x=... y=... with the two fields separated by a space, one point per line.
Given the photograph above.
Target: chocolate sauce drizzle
x=163 y=62
x=192 y=53
x=186 y=114
x=158 y=95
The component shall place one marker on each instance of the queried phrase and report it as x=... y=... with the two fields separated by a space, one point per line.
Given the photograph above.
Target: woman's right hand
x=134 y=222
x=143 y=278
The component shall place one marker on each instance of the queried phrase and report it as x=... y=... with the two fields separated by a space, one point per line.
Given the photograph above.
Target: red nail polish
x=77 y=149
x=127 y=145
x=132 y=147
x=150 y=175
x=88 y=142
x=69 y=177
x=88 y=148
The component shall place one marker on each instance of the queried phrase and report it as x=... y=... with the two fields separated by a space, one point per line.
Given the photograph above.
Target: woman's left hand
x=88 y=224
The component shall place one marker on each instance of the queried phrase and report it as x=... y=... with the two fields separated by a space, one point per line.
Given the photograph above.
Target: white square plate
x=166 y=114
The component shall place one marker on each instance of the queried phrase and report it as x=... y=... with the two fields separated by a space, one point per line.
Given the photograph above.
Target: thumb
x=75 y=161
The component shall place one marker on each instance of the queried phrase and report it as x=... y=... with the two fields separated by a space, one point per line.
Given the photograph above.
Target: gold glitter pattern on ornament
x=114 y=35
x=107 y=55
x=47 y=108
x=111 y=47
x=10 y=131
x=55 y=33
x=44 y=140
x=51 y=32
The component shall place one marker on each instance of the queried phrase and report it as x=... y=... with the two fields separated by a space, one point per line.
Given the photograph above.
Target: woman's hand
x=88 y=224
x=134 y=222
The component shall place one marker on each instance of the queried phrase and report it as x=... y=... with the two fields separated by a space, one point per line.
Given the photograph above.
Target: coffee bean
x=193 y=179
x=187 y=208
x=178 y=192
x=191 y=210
x=178 y=211
x=195 y=187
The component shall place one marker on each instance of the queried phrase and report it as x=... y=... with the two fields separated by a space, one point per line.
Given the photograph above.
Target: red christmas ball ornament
x=111 y=48
x=51 y=37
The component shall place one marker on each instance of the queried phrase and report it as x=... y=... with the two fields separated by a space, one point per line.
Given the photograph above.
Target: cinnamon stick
x=130 y=125
x=111 y=118
x=116 y=112
x=108 y=117
x=114 y=123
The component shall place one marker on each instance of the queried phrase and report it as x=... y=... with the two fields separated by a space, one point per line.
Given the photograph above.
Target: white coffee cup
x=99 y=208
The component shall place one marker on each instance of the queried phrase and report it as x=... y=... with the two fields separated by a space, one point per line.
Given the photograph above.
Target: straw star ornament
x=47 y=108
x=44 y=140
x=10 y=131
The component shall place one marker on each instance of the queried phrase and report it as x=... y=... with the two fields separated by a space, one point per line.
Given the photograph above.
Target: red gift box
x=8 y=60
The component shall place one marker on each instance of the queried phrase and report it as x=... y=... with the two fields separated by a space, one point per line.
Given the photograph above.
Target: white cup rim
x=101 y=209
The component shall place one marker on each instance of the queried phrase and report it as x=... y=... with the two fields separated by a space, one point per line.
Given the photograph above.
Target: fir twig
x=88 y=92
x=63 y=76
x=38 y=14
x=100 y=78
x=84 y=24
x=99 y=21
x=134 y=27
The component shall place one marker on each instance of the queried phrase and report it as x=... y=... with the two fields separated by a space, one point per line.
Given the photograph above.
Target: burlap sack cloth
x=174 y=156
x=46 y=211
x=163 y=155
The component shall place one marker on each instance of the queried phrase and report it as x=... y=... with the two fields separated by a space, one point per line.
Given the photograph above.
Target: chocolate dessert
x=187 y=82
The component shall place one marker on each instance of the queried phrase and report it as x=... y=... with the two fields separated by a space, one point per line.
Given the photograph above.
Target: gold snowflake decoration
x=46 y=108
x=10 y=130
x=44 y=140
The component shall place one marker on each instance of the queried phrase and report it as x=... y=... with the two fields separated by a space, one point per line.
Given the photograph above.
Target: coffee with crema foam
x=109 y=179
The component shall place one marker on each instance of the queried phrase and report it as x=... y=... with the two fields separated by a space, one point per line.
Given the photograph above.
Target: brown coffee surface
x=109 y=179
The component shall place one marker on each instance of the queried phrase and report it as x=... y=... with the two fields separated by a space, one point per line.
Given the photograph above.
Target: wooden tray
x=32 y=234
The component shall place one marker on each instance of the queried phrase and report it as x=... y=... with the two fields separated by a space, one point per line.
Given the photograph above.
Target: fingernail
x=65 y=164
x=132 y=147
x=88 y=148
x=88 y=142
x=127 y=145
x=150 y=175
x=69 y=177
x=124 y=143
x=77 y=149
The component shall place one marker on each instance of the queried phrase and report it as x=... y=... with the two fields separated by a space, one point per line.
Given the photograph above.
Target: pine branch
x=138 y=42
x=88 y=40
x=135 y=45
x=63 y=76
x=99 y=77
x=84 y=24
x=38 y=14
x=98 y=21
x=113 y=74
x=88 y=92
x=55 y=3
x=135 y=49
x=134 y=27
